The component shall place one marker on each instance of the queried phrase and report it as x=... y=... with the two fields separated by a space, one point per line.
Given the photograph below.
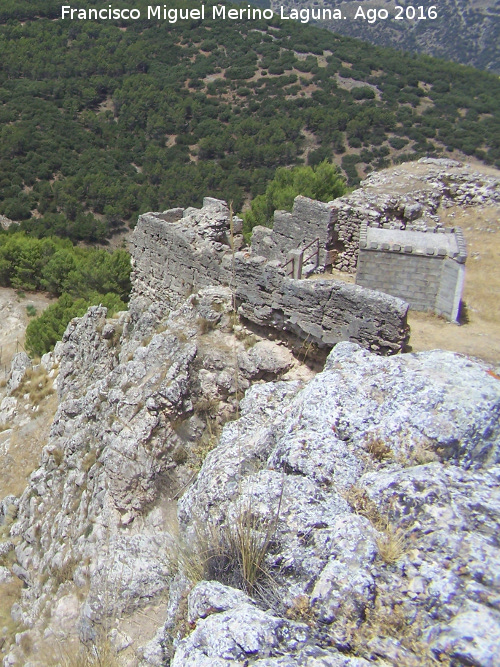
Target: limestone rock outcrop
x=142 y=397
x=370 y=490
x=383 y=478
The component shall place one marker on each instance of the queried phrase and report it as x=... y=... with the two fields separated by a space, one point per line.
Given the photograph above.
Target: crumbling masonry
x=179 y=251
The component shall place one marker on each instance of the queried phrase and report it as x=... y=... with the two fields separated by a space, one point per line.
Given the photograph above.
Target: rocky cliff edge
x=345 y=519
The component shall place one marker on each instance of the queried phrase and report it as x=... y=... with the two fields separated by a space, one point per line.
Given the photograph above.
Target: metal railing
x=296 y=260
x=290 y=262
x=315 y=252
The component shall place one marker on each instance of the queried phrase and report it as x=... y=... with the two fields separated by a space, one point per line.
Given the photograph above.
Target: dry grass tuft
x=37 y=384
x=205 y=444
x=423 y=453
x=98 y=654
x=205 y=325
x=9 y=518
x=249 y=539
x=233 y=554
x=387 y=621
x=10 y=592
x=418 y=452
x=377 y=447
x=300 y=610
x=391 y=544
x=362 y=504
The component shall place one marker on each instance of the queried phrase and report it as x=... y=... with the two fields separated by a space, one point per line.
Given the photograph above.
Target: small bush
x=300 y=610
x=65 y=572
x=206 y=406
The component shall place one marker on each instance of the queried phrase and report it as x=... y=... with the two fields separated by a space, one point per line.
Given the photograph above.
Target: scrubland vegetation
x=101 y=121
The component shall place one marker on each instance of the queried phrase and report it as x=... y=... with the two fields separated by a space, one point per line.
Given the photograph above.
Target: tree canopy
x=323 y=182
x=80 y=276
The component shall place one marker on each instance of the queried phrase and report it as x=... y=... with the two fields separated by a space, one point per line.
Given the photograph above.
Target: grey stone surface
x=124 y=443
x=421 y=242
x=471 y=637
x=425 y=269
x=405 y=448
x=231 y=637
x=18 y=367
x=210 y=597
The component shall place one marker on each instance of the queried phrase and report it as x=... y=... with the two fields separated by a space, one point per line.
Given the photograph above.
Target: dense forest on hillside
x=103 y=120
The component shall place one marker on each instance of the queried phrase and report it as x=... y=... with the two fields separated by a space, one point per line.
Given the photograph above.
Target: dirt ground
x=479 y=334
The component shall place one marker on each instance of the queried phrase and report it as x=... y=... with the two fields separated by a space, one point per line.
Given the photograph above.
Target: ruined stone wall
x=324 y=312
x=404 y=198
x=308 y=221
x=177 y=252
x=449 y=294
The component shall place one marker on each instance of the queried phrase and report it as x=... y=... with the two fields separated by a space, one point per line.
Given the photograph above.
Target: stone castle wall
x=403 y=198
x=321 y=311
x=177 y=252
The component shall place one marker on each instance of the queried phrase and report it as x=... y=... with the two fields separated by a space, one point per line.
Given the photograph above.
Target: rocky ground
x=344 y=519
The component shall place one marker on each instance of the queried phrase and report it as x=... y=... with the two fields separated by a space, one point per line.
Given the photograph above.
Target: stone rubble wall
x=172 y=257
x=321 y=311
x=175 y=253
x=308 y=221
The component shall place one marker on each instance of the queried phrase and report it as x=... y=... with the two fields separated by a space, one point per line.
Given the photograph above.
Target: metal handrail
x=310 y=244
x=291 y=261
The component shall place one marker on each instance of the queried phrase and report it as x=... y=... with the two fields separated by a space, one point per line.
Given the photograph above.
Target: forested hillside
x=103 y=120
